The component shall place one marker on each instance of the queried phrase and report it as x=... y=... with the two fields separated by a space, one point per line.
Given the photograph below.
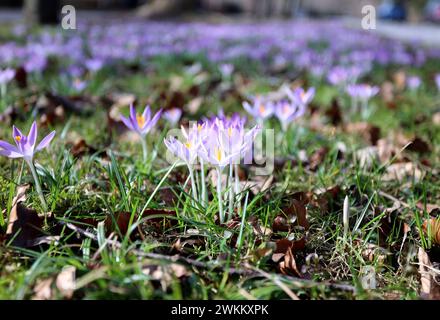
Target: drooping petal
x=32 y=136
x=45 y=142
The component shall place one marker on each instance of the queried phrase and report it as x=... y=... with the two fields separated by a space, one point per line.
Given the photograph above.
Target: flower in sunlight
x=141 y=124
x=286 y=112
x=26 y=146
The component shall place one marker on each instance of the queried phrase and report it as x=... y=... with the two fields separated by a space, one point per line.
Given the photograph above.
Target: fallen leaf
x=288 y=265
x=43 y=290
x=25 y=227
x=65 y=281
x=430 y=288
x=418 y=145
x=402 y=172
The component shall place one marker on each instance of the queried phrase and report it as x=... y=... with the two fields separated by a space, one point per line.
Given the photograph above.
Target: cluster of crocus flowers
x=219 y=143
x=141 y=123
x=361 y=93
x=26 y=147
x=285 y=110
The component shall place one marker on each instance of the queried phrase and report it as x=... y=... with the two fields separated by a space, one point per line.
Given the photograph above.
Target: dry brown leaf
x=430 y=288
x=402 y=172
x=66 y=282
x=24 y=225
x=43 y=290
x=288 y=265
x=368 y=131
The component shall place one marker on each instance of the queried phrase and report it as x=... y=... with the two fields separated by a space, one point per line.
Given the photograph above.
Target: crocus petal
x=32 y=136
x=16 y=132
x=7 y=147
x=133 y=115
x=127 y=122
x=45 y=142
x=147 y=114
x=10 y=154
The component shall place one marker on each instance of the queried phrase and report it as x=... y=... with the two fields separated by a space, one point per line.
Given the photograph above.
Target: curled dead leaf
x=288 y=265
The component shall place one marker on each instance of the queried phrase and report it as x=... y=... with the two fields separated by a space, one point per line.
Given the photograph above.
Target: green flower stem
x=38 y=187
x=144 y=149
x=219 y=195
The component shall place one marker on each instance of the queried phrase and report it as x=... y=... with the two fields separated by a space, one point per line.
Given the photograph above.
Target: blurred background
x=414 y=11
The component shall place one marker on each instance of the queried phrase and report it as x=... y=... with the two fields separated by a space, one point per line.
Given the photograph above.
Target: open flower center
x=286 y=108
x=140 y=120
x=18 y=138
x=262 y=109
x=188 y=145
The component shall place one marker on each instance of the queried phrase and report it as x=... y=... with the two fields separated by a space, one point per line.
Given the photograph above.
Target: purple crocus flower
x=25 y=145
x=363 y=92
x=301 y=97
x=6 y=75
x=173 y=115
x=286 y=112
x=260 y=110
x=413 y=82
x=141 y=123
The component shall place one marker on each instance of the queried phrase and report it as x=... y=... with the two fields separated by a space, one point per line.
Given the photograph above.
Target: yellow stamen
x=286 y=108
x=18 y=138
x=140 y=121
x=262 y=109
x=199 y=127
x=230 y=131
x=188 y=145
x=218 y=154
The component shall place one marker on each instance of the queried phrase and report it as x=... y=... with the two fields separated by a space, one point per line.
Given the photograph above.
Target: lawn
x=340 y=200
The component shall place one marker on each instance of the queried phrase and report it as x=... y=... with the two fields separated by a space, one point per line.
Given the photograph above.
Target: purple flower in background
x=6 y=75
x=362 y=92
x=79 y=85
x=437 y=80
x=260 y=110
x=141 y=123
x=173 y=115
x=286 y=112
x=94 y=65
x=300 y=97
x=413 y=82
x=25 y=145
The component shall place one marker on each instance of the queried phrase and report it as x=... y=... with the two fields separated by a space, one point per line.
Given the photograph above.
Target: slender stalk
x=144 y=149
x=38 y=187
x=231 y=191
x=193 y=183
x=219 y=195
x=237 y=186
x=203 y=182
